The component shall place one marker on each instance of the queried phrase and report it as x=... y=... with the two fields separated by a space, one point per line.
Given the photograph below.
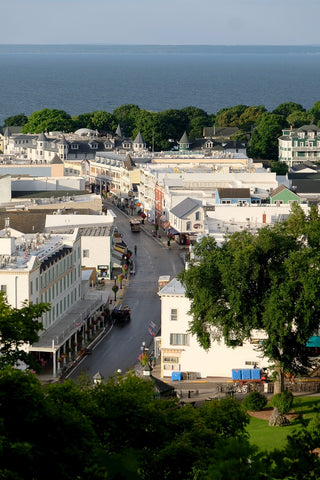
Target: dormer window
x=93 y=146
x=74 y=146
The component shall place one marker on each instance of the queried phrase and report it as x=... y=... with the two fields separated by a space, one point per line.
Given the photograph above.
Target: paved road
x=121 y=347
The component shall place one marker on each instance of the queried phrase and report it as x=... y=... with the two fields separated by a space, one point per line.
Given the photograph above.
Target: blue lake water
x=85 y=78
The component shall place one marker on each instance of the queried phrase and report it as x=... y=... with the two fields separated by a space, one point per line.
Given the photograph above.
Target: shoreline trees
x=162 y=130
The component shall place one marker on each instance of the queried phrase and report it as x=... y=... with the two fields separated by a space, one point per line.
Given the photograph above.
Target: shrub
x=283 y=401
x=254 y=402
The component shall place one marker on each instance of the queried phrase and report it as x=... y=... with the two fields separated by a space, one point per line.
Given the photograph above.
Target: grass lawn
x=269 y=438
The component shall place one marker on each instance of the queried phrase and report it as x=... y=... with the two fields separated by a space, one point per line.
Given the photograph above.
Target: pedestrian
x=135 y=249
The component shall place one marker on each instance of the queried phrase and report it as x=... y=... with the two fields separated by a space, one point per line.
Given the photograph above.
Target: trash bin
x=176 y=376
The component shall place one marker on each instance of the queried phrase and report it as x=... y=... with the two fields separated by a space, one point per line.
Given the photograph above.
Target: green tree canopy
x=119 y=430
x=267 y=281
x=84 y=120
x=249 y=117
x=264 y=139
x=146 y=123
x=126 y=116
x=286 y=109
x=48 y=120
x=315 y=113
x=230 y=117
x=103 y=122
x=299 y=118
x=17 y=327
x=16 y=120
x=197 y=120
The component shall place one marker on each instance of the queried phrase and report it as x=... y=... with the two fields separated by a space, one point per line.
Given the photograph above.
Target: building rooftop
x=20 y=251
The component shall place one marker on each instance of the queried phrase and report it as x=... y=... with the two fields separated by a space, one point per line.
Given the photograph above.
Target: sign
x=209 y=208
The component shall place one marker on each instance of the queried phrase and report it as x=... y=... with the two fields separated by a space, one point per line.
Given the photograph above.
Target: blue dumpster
x=246 y=373
x=256 y=374
x=176 y=376
x=236 y=374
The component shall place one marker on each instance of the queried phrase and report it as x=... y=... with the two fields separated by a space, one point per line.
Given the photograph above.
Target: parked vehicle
x=135 y=224
x=121 y=316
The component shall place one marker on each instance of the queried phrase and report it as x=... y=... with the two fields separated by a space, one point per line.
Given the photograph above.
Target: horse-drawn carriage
x=121 y=316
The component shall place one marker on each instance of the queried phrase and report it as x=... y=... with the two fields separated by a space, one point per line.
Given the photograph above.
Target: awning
x=166 y=225
x=313 y=342
x=163 y=217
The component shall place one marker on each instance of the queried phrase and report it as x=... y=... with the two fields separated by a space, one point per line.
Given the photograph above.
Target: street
x=120 y=348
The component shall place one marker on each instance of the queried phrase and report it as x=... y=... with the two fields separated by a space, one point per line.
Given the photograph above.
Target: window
x=3 y=288
x=188 y=226
x=170 y=359
x=85 y=253
x=179 y=339
x=174 y=315
x=198 y=215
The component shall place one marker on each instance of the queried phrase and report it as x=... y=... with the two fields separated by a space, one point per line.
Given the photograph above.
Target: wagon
x=121 y=315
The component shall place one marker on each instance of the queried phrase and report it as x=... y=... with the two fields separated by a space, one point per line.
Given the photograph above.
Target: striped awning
x=166 y=225
x=119 y=248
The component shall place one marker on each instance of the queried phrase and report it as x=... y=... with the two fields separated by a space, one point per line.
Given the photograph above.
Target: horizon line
x=166 y=44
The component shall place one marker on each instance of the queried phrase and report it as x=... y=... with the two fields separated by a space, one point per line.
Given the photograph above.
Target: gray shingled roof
x=185 y=207
x=139 y=138
x=56 y=160
x=184 y=139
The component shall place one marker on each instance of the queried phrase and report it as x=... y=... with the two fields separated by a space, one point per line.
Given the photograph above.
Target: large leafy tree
x=230 y=117
x=267 y=281
x=197 y=120
x=171 y=124
x=126 y=116
x=146 y=123
x=18 y=326
x=48 y=120
x=249 y=117
x=287 y=108
x=298 y=118
x=315 y=113
x=16 y=120
x=84 y=120
x=264 y=139
x=103 y=121
x=118 y=429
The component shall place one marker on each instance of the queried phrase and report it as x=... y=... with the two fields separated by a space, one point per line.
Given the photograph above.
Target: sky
x=163 y=22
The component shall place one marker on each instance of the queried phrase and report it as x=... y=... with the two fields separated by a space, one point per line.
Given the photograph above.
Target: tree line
x=119 y=429
x=162 y=130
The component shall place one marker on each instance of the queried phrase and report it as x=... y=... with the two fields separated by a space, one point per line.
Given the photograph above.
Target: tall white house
x=47 y=268
x=181 y=352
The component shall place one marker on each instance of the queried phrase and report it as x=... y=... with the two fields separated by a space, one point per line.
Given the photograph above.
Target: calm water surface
x=85 y=78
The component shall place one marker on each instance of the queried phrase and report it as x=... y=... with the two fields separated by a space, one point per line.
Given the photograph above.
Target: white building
x=298 y=145
x=47 y=268
x=163 y=186
x=97 y=239
x=181 y=352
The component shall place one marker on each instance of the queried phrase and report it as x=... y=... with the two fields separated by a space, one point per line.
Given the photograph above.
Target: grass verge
x=270 y=438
